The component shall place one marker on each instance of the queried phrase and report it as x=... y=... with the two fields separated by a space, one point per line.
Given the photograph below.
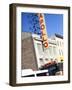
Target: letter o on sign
x=42 y=26
x=46 y=44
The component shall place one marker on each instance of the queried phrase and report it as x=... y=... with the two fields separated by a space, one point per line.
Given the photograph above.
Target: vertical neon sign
x=43 y=30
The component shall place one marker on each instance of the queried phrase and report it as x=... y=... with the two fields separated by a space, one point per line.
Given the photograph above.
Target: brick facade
x=28 y=54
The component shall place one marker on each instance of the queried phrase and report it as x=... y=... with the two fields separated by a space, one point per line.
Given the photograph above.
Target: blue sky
x=54 y=23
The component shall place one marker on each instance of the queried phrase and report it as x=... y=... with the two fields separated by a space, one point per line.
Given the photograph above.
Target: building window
x=40 y=49
x=46 y=59
x=54 y=50
x=51 y=59
x=46 y=51
x=50 y=50
x=58 y=43
x=41 y=61
x=60 y=52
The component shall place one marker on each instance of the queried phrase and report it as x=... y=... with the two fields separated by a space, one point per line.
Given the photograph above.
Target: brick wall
x=28 y=54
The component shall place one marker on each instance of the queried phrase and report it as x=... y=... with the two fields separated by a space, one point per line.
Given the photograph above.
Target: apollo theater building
x=38 y=51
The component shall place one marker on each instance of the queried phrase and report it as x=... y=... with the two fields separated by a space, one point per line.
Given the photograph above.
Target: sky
x=53 y=22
